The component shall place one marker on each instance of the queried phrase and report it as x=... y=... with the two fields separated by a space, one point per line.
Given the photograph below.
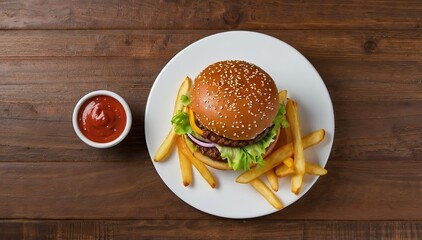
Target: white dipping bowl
x=97 y=144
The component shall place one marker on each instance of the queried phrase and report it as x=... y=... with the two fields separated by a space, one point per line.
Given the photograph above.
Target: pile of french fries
x=186 y=158
x=287 y=158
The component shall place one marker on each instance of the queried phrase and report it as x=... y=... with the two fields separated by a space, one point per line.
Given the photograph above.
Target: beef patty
x=232 y=143
x=210 y=152
x=214 y=153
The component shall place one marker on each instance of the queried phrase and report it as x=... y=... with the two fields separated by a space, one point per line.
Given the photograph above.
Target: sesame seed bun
x=235 y=99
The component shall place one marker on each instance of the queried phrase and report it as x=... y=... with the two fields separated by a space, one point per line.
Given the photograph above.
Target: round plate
x=289 y=69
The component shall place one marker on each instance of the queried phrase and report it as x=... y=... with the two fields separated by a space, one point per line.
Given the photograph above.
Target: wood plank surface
x=38 y=96
x=219 y=14
x=217 y=229
x=362 y=45
x=115 y=190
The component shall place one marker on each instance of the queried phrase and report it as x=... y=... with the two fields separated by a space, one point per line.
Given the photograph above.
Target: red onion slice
x=200 y=143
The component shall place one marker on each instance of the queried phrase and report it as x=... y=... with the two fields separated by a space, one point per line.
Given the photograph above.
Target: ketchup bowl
x=102 y=119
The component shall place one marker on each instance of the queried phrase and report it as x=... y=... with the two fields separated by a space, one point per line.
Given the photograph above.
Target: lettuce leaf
x=181 y=123
x=237 y=158
x=241 y=158
x=185 y=100
x=280 y=119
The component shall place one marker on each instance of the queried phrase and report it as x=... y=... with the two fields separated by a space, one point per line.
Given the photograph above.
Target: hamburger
x=233 y=116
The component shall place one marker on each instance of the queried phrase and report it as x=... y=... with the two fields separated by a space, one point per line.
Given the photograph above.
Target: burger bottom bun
x=224 y=165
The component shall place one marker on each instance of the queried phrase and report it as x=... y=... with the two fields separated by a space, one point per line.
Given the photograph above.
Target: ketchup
x=102 y=119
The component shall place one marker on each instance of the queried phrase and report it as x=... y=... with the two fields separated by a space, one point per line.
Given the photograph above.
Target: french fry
x=296 y=183
x=272 y=179
x=185 y=164
x=202 y=169
x=299 y=155
x=278 y=156
x=266 y=193
x=168 y=142
x=283 y=170
x=314 y=169
x=293 y=118
x=183 y=90
x=282 y=95
x=166 y=146
x=288 y=162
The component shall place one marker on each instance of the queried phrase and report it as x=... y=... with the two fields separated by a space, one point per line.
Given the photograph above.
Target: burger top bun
x=235 y=99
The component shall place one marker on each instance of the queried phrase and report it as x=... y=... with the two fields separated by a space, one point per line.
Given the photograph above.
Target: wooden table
x=53 y=186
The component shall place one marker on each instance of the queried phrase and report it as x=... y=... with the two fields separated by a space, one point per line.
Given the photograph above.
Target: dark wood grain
x=216 y=229
x=219 y=14
x=362 y=45
x=53 y=186
x=354 y=83
x=133 y=190
x=38 y=97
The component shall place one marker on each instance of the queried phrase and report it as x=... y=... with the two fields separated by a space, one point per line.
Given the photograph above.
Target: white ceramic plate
x=289 y=69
